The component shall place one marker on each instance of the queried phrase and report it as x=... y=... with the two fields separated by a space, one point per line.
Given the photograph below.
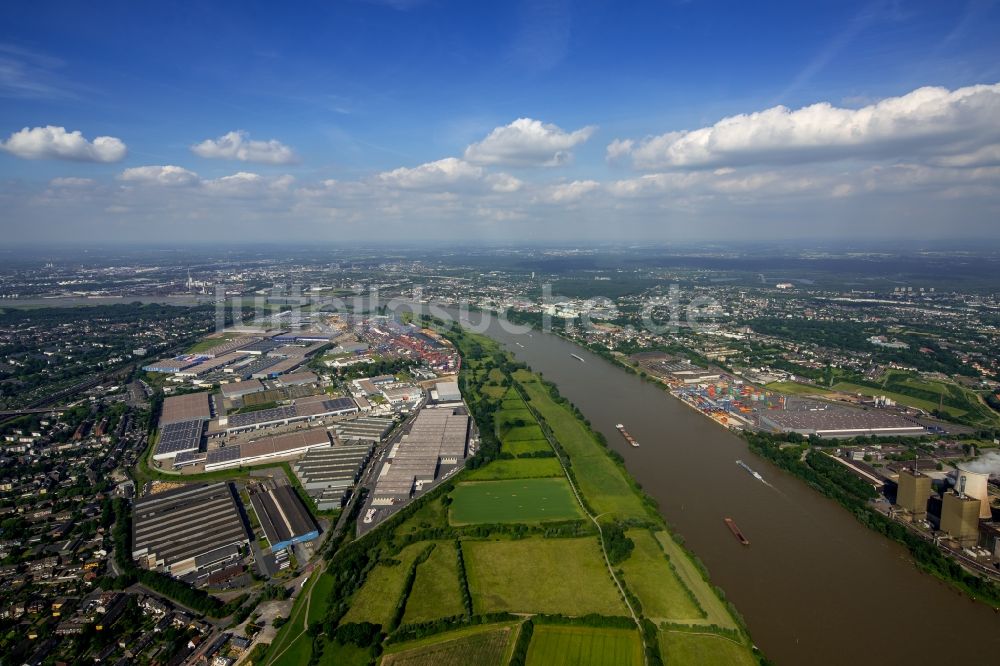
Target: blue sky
x=339 y=114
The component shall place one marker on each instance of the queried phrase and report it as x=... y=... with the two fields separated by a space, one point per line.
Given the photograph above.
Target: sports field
x=684 y=647
x=513 y=501
x=376 y=600
x=560 y=576
x=435 y=593
x=600 y=480
x=553 y=645
x=523 y=468
x=475 y=645
x=648 y=574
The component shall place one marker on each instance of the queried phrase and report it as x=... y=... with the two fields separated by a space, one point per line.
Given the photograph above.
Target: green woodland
x=542 y=551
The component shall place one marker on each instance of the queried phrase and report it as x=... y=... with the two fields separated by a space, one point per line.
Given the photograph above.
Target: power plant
x=960 y=517
x=974 y=484
x=913 y=491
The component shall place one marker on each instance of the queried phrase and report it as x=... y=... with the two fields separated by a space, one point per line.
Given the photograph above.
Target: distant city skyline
x=553 y=122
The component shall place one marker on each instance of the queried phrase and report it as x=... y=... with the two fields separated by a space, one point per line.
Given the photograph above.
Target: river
x=815 y=586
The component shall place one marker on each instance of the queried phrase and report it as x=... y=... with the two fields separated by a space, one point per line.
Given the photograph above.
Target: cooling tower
x=973 y=484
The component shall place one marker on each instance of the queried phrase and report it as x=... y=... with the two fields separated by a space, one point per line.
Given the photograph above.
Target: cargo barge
x=628 y=438
x=579 y=358
x=736 y=532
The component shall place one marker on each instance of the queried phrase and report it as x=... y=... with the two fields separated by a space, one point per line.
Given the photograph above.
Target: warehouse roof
x=281 y=514
x=185 y=408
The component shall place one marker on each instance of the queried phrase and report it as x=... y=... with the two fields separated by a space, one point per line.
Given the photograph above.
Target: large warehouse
x=177 y=438
x=283 y=517
x=438 y=437
x=328 y=473
x=189 y=407
x=260 y=450
x=188 y=529
x=810 y=418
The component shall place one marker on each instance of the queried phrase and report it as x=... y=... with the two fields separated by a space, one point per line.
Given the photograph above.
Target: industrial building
x=975 y=485
x=810 y=418
x=178 y=437
x=189 y=529
x=960 y=517
x=328 y=473
x=189 y=407
x=239 y=389
x=260 y=450
x=363 y=429
x=283 y=517
x=303 y=409
x=437 y=437
x=912 y=492
x=448 y=392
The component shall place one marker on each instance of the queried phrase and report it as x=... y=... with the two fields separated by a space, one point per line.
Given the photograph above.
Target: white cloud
x=527 y=142
x=237 y=145
x=504 y=183
x=53 y=142
x=72 y=182
x=960 y=127
x=172 y=176
x=570 y=192
x=449 y=171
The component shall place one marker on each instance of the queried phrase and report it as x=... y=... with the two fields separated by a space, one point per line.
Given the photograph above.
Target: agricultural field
x=435 y=592
x=524 y=447
x=686 y=647
x=559 y=576
x=554 y=645
x=602 y=482
x=649 y=576
x=522 y=468
x=376 y=601
x=513 y=501
x=487 y=645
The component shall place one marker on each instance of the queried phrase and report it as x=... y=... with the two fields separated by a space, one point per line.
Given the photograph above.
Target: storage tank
x=973 y=484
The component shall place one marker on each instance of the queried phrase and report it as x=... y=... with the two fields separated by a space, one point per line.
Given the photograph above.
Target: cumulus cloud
x=527 y=142
x=237 y=145
x=570 y=192
x=448 y=171
x=504 y=183
x=53 y=142
x=959 y=128
x=169 y=175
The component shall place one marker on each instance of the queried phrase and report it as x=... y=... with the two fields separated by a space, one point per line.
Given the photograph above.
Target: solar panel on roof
x=180 y=436
x=262 y=416
x=225 y=454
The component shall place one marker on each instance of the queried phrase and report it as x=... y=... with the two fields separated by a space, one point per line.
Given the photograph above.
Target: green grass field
x=794 y=388
x=376 y=600
x=531 y=431
x=688 y=573
x=320 y=593
x=335 y=654
x=487 y=645
x=524 y=468
x=513 y=501
x=926 y=405
x=524 y=447
x=564 y=576
x=431 y=514
x=683 y=647
x=602 y=482
x=436 y=592
x=585 y=646
x=648 y=574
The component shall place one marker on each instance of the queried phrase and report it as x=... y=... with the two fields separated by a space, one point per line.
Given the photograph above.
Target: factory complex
x=329 y=473
x=188 y=532
x=808 y=417
x=282 y=516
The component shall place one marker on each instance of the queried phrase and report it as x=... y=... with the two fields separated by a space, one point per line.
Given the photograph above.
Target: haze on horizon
x=545 y=121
